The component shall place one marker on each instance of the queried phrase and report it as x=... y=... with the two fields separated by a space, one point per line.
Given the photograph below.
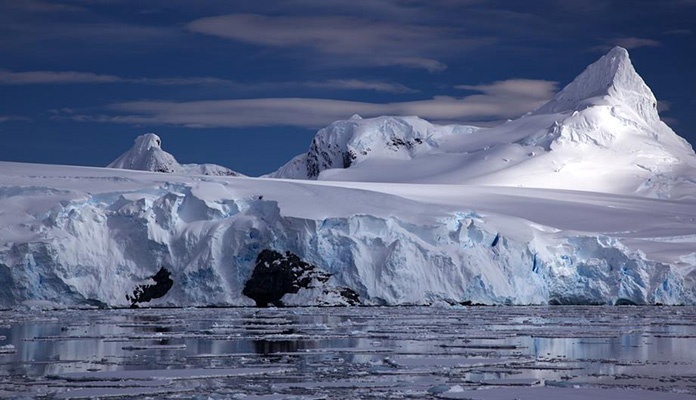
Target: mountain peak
x=147 y=155
x=147 y=141
x=612 y=76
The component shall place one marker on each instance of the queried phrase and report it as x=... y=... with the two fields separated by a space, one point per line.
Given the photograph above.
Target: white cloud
x=357 y=84
x=678 y=32
x=42 y=6
x=65 y=77
x=35 y=77
x=524 y=89
x=7 y=118
x=499 y=100
x=346 y=40
x=69 y=77
x=626 y=42
x=663 y=106
x=635 y=42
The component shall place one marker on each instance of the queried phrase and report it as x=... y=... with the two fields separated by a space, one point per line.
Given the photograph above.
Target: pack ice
x=590 y=199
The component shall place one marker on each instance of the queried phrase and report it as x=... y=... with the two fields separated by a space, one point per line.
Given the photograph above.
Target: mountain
x=601 y=133
x=147 y=155
x=391 y=210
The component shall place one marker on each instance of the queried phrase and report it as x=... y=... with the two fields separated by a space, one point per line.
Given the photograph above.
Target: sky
x=246 y=84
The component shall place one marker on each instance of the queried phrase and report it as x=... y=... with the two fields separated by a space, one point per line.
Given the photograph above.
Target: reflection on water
x=388 y=350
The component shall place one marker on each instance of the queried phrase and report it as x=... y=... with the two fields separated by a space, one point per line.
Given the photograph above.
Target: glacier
x=588 y=200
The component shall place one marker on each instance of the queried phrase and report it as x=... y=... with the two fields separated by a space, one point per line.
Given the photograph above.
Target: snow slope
x=147 y=155
x=601 y=133
x=588 y=200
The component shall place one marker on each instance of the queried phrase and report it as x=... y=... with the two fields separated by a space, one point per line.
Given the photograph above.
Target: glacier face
x=588 y=200
x=86 y=236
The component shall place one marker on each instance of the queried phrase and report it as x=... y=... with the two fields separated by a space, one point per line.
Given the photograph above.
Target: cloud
x=523 y=89
x=66 y=77
x=204 y=80
x=663 y=106
x=29 y=30
x=357 y=84
x=672 y=122
x=627 y=43
x=498 y=100
x=7 y=118
x=635 y=42
x=348 y=40
x=678 y=32
x=41 y=6
x=8 y=77
x=34 y=77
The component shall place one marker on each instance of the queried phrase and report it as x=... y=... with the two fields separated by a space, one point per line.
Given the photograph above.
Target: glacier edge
x=94 y=248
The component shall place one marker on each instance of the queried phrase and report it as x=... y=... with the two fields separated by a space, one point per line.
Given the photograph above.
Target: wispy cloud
x=357 y=84
x=67 y=77
x=678 y=32
x=627 y=42
x=7 y=118
x=663 y=105
x=353 y=40
x=499 y=100
x=41 y=6
x=35 y=77
x=635 y=42
x=8 y=77
x=517 y=91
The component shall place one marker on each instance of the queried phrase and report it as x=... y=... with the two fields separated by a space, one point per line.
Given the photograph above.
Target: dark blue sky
x=246 y=84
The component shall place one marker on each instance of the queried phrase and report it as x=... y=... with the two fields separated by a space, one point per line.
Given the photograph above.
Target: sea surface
x=566 y=352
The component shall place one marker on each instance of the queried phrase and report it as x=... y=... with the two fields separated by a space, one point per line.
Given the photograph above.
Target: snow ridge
x=349 y=142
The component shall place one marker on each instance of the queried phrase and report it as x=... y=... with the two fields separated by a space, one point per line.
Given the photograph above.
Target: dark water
x=326 y=353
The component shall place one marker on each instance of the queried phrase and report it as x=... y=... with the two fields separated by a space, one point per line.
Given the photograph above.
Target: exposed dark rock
x=397 y=142
x=276 y=275
x=573 y=301
x=496 y=240
x=469 y=303
x=348 y=158
x=624 y=302
x=319 y=159
x=144 y=293
x=349 y=295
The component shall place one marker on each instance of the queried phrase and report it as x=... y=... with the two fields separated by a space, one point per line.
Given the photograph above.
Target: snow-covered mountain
x=147 y=155
x=399 y=211
x=601 y=133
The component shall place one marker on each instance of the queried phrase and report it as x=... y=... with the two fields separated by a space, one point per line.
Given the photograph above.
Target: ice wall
x=94 y=249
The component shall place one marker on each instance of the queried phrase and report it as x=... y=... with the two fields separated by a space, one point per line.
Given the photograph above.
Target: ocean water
x=351 y=353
